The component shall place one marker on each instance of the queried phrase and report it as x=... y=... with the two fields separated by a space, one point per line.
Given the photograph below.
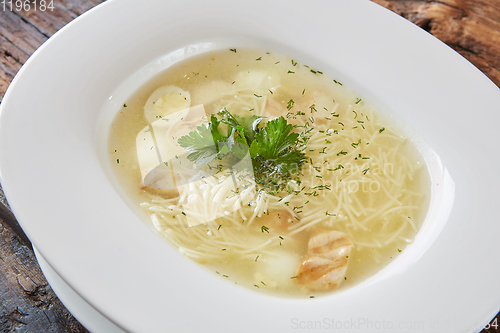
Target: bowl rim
x=108 y=258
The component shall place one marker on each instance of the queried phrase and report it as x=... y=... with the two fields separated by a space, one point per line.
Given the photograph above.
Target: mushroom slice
x=161 y=181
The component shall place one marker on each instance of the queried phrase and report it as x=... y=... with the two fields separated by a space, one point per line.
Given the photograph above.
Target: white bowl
x=53 y=132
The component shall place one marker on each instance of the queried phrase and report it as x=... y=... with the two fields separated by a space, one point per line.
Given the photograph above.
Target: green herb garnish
x=276 y=152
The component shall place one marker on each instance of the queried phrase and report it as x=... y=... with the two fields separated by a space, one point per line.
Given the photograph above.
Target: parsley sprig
x=275 y=150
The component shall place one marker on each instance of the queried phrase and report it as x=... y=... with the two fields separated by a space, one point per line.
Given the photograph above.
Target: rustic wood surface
x=27 y=303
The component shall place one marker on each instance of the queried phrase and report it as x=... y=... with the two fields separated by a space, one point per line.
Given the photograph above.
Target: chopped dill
x=340 y=166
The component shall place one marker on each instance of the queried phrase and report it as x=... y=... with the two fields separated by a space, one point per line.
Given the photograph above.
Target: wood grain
x=22 y=32
x=27 y=303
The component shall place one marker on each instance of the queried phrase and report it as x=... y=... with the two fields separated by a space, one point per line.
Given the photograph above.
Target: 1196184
x=26 y=5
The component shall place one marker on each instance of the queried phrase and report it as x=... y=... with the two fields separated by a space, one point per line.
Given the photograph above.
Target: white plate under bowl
x=81 y=309
x=54 y=172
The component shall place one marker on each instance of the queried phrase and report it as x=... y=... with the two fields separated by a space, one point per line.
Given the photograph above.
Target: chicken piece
x=318 y=105
x=279 y=220
x=164 y=101
x=321 y=274
x=326 y=265
x=323 y=104
x=256 y=81
x=333 y=245
x=160 y=156
x=209 y=92
x=274 y=109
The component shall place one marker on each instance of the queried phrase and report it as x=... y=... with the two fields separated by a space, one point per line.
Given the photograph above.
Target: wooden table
x=27 y=303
